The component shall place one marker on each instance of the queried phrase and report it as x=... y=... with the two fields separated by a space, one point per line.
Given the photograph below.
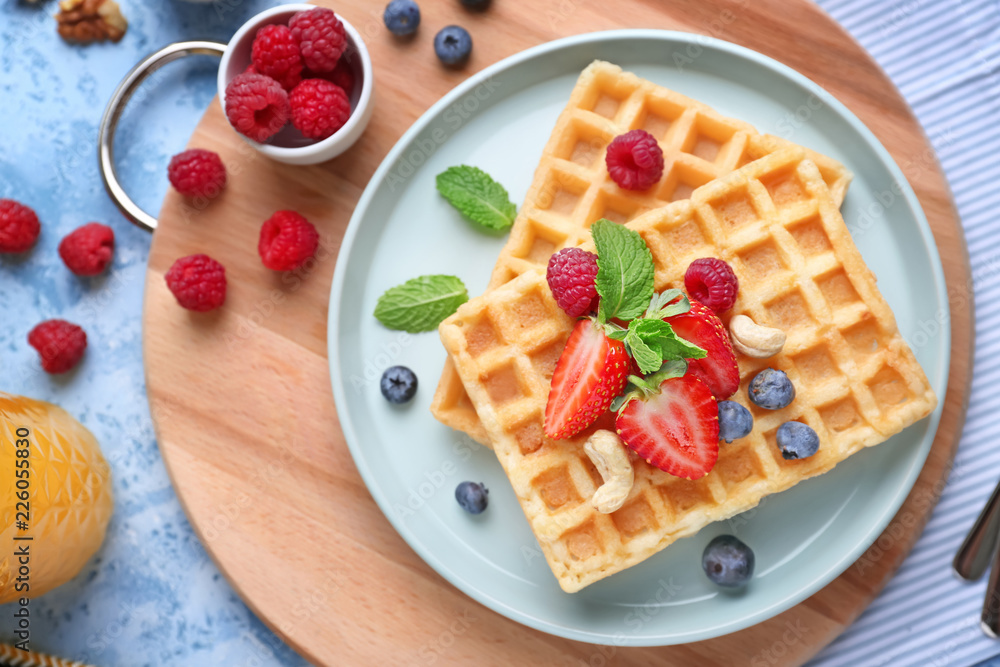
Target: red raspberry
x=635 y=160
x=197 y=173
x=257 y=106
x=319 y=108
x=571 y=276
x=342 y=75
x=60 y=344
x=712 y=282
x=321 y=37
x=276 y=54
x=87 y=250
x=287 y=241
x=19 y=227
x=198 y=282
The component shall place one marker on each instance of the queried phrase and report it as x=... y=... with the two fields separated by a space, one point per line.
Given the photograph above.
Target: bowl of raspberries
x=296 y=83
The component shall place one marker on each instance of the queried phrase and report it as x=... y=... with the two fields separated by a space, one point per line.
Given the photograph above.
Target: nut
x=609 y=454
x=755 y=340
x=86 y=21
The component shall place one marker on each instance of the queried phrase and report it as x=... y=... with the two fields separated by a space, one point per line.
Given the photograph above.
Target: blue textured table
x=153 y=596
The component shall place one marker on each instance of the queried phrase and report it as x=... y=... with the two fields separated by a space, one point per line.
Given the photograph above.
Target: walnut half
x=86 y=21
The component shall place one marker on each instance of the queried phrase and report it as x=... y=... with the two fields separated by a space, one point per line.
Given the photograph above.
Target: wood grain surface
x=242 y=402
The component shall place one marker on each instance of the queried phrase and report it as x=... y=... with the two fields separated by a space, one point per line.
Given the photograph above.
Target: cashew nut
x=609 y=454
x=755 y=340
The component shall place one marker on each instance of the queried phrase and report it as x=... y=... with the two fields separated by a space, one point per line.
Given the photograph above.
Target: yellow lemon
x=55 y=497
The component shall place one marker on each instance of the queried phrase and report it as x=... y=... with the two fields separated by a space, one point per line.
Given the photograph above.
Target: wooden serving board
x=242 y=400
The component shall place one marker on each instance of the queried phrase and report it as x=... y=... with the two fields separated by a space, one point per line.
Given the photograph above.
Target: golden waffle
x=775 y=222
x=571 y=188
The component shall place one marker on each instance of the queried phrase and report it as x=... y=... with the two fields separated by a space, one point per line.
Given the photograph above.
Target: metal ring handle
x=113 y=112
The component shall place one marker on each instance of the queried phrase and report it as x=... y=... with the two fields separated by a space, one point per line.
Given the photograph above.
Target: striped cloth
x=943 y=56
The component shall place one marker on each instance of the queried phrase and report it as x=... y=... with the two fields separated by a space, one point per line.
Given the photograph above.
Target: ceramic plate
x=499 y=120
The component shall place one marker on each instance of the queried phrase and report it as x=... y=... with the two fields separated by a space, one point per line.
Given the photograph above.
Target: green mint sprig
x=649 y=385
x=624 y=282
x=420 y=304
x=477 y=197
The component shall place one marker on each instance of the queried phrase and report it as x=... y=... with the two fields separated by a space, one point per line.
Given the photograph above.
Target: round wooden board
x=242 y=402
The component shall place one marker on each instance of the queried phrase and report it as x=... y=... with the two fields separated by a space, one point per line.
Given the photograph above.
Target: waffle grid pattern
x=571 y=187
x=858 y=383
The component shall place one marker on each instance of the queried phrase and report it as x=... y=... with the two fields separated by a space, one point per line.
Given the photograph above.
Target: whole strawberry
x=60 y=345
x=87 y=250
x=287 y=241
x=19 y=227
x=719 y=369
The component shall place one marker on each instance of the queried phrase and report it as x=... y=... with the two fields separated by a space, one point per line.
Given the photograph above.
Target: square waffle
x=571 y=187
x=857 y=382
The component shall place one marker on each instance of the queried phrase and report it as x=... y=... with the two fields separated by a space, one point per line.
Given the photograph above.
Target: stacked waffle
x=768 y=208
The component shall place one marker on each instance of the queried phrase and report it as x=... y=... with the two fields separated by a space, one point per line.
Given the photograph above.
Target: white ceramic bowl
x=289 y=146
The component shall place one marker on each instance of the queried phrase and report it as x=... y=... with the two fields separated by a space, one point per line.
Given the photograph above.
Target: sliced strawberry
x=591 y=372
x=676 y=429
x=718 y=370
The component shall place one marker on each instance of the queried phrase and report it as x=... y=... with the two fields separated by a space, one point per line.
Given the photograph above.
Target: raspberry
x=321 y=37
x=197 y=173
x=635 y=160
x=198 y=282
x=712 y=282
x=257 y=106
x=571 y=276
x=319 y=108
x=287 y=241
x=19 y=227
x=343 y=76
x=60 y=344
x=276 y=54
x=87 y=250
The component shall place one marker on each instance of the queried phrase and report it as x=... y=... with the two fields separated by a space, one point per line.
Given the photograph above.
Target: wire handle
x=113 y=112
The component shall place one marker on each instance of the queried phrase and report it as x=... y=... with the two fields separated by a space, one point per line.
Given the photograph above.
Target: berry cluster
x=86 y=251
x=298 y=74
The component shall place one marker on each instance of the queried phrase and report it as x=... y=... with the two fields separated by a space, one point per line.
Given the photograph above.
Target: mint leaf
x=477 y=197
x=660 y=336
x=648 y=358
x=420 y=304
x=659 y=308
x=624 y=271
x=644 y=387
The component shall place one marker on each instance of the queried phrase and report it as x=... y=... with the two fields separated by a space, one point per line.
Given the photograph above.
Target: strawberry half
x=675 y=428
x=592 y=370
x=719 y=369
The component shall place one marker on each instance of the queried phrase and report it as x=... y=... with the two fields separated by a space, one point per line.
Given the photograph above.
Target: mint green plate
x=499 y=120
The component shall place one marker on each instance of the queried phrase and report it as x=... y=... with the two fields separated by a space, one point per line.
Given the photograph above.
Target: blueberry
x=735 y=421
x=728 y=562
x=402 y=17
x=797 y=440
x=472 y=497
x=453 y=45
x=771 y=389
x=399 y=384
x=476 y=5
